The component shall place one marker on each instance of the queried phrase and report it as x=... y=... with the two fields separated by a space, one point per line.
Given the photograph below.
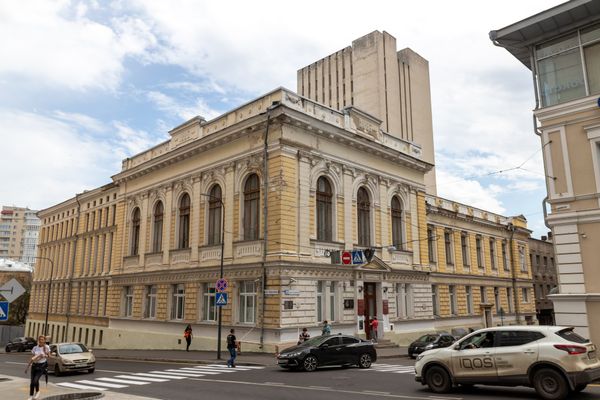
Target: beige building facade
x=19 y=230
x=561 y=46
x=545 y=280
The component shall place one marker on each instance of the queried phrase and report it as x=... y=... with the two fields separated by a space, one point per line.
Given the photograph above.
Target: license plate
x=592 y=355
x=80 y=365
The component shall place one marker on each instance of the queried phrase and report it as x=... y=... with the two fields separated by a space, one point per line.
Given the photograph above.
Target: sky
x=85 y=84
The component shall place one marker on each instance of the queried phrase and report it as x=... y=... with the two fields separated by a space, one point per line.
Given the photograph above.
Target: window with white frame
x=525 y=295
x=157 y=228
x=448 y=247
x=469 y=299
x=128 y=301
x=332 y=301
x=150 y=302
x=404 y=300
x=483 y=294
x=435 y=300
x=209 y=308
x=177 y=301
x=464 y=248
x=320 y=300
x=452 y=299
x=247 y=302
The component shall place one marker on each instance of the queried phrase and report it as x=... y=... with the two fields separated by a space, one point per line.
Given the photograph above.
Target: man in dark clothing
x=232 y=347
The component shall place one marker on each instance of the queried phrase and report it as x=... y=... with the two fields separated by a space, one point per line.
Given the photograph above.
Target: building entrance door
x=370 y=306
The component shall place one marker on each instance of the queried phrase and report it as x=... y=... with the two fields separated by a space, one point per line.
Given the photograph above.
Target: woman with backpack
x=187 y=334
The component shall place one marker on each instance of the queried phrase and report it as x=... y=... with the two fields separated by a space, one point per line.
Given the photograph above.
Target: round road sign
x=221 y=285
x=346 y=257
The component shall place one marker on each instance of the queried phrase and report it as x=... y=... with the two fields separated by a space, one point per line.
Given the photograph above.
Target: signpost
x=3 y=311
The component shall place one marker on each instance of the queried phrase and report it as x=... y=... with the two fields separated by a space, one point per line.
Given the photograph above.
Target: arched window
x=397 y=228
x=157 y=229
x=135 y=232
x=324 y=210
x=251 y=204
x=214 y=215
x=184 y=222
x=364 y=217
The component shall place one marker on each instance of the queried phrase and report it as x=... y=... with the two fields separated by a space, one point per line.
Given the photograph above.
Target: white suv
x=552 y=359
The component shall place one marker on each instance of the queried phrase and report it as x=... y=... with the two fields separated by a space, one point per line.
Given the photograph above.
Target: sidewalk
x=210 y=357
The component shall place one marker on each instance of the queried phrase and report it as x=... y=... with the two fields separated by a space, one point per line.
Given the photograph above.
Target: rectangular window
x=479 y=250
x=469 y=299
x=509 y=299
x=320 y=300
x=178 y=301
x=128 y=301
x=209 y=309
x=332 y=295
x=483 y=294
x=150 y=306
x=592 y=66
x=497 y=299
x=522 y=259
x=464 y=246
x=404 y=300
x=452 y=299
x=247 y=302
x=493 y=254
x=504 y=255
x=435 y=300
x=431 y=243
x=525 y=295
x=448 y=247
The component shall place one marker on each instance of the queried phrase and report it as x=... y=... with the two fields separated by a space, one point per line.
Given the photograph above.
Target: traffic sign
x=4 y=310
x=221 y=285
x=221 y=299
x=346 y=257
x=357 y=257
x=12 y=290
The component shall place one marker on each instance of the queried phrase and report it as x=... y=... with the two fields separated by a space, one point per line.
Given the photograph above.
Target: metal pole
x=219 y=323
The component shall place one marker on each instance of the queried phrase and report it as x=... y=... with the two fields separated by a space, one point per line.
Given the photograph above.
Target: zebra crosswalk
x=393 y=368
x=124 y=380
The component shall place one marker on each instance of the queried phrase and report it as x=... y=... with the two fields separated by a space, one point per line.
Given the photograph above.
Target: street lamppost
x=219 y=323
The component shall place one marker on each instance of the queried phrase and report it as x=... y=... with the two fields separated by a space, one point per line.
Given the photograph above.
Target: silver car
x=554 y=360
x=71 y=357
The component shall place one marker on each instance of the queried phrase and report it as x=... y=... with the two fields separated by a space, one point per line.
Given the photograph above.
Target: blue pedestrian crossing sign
x=4 y=310
x=221 y=299
x=357 y=257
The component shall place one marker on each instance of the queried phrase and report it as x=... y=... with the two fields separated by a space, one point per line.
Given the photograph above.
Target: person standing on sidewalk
x=39 y=366
x=304 y=336
x=187 y=334
x=326 y=330
x=374 y=326
x=232 y=345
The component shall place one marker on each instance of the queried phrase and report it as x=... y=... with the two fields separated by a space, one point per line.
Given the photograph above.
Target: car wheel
x=91 y=370
x=580 y=387
x=310 y=363
x=549 y=384
x=56 y=370
x=365 y=361
x=438 y=380
x=7 y=349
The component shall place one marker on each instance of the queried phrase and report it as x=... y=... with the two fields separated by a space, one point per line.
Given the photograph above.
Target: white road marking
x=123 y=381
x=189 y=375
x=160 y=375
x=76 y=386
x=141 y=378
x=239 y=366
x=109 y=385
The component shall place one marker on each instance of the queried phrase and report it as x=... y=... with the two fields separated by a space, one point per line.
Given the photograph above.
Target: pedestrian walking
x=304 y=336
x=374 y=326
x=232 y=346
x=326 y=330
x=187 y=334
x=39 y=366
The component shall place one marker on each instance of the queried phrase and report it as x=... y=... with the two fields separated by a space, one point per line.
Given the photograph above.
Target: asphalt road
x=385 y=380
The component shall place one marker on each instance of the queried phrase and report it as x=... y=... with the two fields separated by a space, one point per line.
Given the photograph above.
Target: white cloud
x=175 y=108
x=470 y=192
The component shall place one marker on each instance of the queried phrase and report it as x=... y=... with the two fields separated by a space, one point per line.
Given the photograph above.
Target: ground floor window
x=404 y=300
x=209 y=312
x=178 y=301
x=247 y=302
x=128 y=301
x=150 y=307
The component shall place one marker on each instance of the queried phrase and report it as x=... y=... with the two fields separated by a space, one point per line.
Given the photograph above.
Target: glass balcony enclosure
x=568 y=68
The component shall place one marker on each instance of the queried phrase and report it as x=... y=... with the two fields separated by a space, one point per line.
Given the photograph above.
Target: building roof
x=520 y=36
x=7 y=265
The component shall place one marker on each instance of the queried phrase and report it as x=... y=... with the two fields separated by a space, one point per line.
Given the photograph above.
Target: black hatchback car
x=428 y=342
x=20 y=344
x=328 y=350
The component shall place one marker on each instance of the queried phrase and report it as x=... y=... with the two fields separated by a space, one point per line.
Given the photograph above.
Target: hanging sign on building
x=346 y=258
x=357 y=257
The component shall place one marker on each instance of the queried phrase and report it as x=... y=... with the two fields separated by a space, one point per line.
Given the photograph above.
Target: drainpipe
x=511 y=228
x=265 y=215
x=73 y=260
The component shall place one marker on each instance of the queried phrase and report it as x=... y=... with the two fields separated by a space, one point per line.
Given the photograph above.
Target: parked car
x=554 y=360
x=20 y=344
x=428 y=342
x=328 y=350
x=71 y=357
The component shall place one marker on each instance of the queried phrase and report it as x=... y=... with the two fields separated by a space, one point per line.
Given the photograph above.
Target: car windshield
x=72 y=348
x=571 y=336
x=427 y=338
